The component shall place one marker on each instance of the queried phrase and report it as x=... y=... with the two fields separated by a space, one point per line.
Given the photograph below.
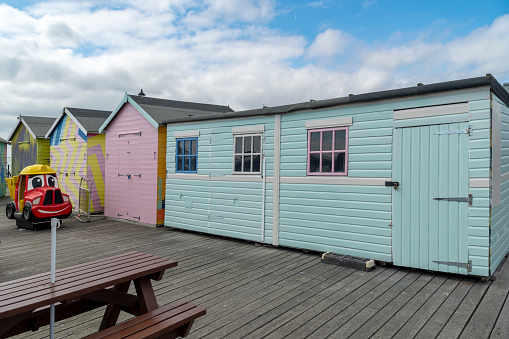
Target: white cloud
x=329 y=43
x=86 y=54
x=213 y=12
x=369 y=4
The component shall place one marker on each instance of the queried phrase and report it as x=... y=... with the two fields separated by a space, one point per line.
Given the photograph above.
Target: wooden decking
x=253 y=291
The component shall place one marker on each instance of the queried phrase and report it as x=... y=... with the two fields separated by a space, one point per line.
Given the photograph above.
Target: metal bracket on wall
x=458 y=131
x=467 y=265
x=460 y=199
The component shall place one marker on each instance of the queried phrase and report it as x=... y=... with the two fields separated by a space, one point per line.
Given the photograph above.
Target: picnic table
x=25 y=303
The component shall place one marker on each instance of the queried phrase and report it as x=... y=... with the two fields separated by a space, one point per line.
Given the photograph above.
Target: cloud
x=329 y=43
x=87 y=54
x=212 y=12
x=367 y=4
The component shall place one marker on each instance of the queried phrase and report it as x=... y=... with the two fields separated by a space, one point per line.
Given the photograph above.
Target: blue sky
x=245 y=53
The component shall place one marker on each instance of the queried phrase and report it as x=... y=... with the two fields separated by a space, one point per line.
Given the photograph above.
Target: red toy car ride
x=36 y=195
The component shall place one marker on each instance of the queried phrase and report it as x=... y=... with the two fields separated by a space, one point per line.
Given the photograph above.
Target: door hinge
x=467 y=265
x=457 y=131
x=460 y=199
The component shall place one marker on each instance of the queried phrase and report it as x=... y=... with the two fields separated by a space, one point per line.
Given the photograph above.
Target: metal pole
x=55 y=223
x=263 y=196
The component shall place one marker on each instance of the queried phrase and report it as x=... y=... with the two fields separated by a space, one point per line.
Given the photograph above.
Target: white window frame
x=243 y=154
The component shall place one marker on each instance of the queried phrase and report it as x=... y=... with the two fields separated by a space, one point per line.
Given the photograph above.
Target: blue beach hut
x=417 y=176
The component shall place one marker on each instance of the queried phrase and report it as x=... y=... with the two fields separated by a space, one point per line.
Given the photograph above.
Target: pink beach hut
x=135 y=176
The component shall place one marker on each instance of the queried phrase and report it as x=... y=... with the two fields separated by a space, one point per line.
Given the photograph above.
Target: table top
x=30 y=293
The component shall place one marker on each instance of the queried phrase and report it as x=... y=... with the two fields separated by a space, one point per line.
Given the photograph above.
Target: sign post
x=55 y=223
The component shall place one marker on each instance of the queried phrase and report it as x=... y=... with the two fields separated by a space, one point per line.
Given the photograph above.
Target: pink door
x=134 y=178
x=122 y=180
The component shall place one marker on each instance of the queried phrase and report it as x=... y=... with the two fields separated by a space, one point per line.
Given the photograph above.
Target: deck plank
x=266 y=292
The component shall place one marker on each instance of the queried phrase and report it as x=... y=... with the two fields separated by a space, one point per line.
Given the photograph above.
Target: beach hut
x=136 y=155
x=417 y=176
x=3 y=166
x=77 y=152
x=28 y=144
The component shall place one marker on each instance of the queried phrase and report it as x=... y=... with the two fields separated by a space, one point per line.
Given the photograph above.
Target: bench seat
x=169 y=321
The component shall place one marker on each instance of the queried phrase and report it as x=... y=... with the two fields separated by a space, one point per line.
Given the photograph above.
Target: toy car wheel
x=9 y=210
x=27 y=212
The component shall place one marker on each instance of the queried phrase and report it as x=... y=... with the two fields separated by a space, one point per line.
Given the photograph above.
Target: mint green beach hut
x=417 y=176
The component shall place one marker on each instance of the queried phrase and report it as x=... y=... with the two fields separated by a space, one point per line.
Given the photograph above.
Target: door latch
x=394 y=184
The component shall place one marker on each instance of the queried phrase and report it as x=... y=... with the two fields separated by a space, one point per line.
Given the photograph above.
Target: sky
x=242 y=53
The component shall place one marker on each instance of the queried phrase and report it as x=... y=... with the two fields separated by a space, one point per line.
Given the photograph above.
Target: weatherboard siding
x=214 y=200
x=500 y=213
x=23 y=150
x=355 y=218
x=43 y=154
x=3 y=169
x=131 y=154
x=68 y=148
x=347 y=219
x=479 y=168
x=161 y=173
x=96 y=148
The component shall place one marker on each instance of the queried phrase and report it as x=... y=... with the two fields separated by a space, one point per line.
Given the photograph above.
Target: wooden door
x=430 y=207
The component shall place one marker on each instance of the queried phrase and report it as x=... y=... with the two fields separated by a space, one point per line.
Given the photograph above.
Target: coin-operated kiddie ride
x=36 y=198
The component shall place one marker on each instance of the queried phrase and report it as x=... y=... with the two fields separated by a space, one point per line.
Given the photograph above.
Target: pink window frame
x=332 y=151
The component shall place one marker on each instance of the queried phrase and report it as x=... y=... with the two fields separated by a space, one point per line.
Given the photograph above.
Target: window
x=247 y=155
x=186 y=155
x=328 y=151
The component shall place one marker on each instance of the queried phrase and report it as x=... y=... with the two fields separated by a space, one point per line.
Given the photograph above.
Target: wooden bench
x=24 y=303
x=168 y=321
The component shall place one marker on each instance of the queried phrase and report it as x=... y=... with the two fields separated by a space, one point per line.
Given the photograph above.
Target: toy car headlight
x=66 y=197
x=36 y=201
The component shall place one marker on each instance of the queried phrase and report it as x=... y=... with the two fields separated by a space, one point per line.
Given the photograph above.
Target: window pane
x=180 y=148
x=340 y=140
x=180 y=163
x=186 y=147
x=186 y=164
x=193 y=147
x=247 y=164
x=257 y=142
x=326 y=162
x=327 y=141
x=193 y=164
x=238 y=162
x=247 y=145
x=238 y=145
x=339 y=162
x=314 y=162
x=315 y=142
x=256 y=163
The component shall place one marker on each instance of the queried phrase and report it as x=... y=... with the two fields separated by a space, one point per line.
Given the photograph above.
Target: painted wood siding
x=3 y=169
x=23 y=150
x=68 y=148
x=347 y=219
x=43 y=151
x=500 y=213
x=128 y=153
x=479 y=168
x=161 y=173
x=214 y=200
x=96 y=149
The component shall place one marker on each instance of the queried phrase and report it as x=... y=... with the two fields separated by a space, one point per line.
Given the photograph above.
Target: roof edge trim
x=127 y=99
x=112 y=115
